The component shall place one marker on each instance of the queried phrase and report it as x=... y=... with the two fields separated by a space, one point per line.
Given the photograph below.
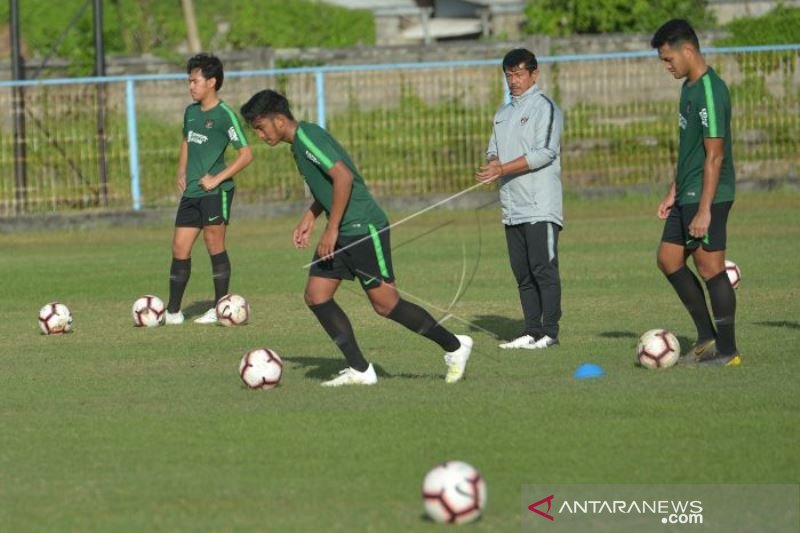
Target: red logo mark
x=549 y=500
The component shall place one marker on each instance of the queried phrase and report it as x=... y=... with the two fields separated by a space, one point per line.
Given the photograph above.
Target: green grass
x=113 y=428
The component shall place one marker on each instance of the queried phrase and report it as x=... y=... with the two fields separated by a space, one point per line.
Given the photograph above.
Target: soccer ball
x=148 y=311
x=233 y=310
x=658 y=348
x=55 y=319
x=734 y=274
x=261 y=369
x=454 y=492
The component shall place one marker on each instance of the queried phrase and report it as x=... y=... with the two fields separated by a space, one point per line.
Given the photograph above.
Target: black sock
x=691 y=294
x=420 y=321
x=338 y=327
x=179 y=274
x=221 y=270
x=723 y=303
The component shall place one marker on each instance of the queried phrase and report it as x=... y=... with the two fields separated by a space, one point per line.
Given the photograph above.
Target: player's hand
x=181 y=183
x=698 y=227
x=327 y=243
x=302 y=232
x=207 y=182
x=665 y=206
x=489 y=172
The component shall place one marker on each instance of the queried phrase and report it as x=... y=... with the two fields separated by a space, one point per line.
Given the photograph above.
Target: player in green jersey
x=696 y=207
x=205 y=183
x=355 y=242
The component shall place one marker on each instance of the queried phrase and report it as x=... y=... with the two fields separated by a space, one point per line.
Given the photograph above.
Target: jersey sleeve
x=185 y=123
x=714 y=109
x=234 y=129
x=318 y=147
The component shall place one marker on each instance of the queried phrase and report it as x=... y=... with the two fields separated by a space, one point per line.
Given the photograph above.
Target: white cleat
x=209 y=317
x=525 y=341
x=172 y=319
x=457 y=361
x=351 y=376
x=544 y=342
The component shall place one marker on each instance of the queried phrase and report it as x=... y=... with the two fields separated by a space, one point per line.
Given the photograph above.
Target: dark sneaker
x=722 y=360
x=698 y=352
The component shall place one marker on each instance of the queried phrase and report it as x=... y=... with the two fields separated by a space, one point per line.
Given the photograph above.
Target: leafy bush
x=559 y=18
x=157 y=27
x=779 y=26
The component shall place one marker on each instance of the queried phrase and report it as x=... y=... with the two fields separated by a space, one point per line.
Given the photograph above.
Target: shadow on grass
x=502 y=327
x=197 y=308
x=779 y=324
x=619 y=335
x=325 y=368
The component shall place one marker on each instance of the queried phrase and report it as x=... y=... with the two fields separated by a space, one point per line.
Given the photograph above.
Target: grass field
x=113 y=428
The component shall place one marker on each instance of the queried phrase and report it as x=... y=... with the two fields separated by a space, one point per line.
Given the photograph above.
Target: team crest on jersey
x=523 y=121
x=209 y=124
x=310 y=156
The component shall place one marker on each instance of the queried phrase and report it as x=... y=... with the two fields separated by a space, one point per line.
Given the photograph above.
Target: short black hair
x=209 y=65
x=674 y=32
x=520 y=55
x=266 y=103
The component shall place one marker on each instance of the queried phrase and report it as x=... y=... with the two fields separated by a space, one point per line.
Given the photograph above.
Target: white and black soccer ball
x=148 y=311
x=658 y=348
x=233 y=310
x=55 y=319
x=261 y=368
x=734 y=273
x=454 y=492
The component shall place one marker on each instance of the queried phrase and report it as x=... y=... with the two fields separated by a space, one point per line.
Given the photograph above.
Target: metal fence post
x=133 y=144
x=319 y=76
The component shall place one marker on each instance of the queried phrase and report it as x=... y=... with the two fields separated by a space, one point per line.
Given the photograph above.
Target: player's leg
x=526 y=285
x=216 y=216
x=319 y=298
x=541 y=241
x=371 y=260
x=710 y=262
x=671 y=259
x=187 y=228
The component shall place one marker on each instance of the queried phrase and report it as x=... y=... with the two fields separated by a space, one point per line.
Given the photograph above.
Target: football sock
x=723 y=303
x=338 y=328
x=691 y=294
x=420 y=321
x=221 y=269
x=179 y=274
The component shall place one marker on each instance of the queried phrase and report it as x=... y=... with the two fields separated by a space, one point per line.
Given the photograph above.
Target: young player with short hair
x=697 y=204
x=355 y=242
x=205 y=182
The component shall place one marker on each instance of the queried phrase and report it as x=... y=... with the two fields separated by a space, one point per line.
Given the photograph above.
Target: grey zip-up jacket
x=530 y=125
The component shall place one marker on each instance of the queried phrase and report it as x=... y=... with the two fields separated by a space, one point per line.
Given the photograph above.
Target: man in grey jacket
x=524 y=154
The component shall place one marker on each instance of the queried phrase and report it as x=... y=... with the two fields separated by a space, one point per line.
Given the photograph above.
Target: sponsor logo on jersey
x=704 y=117
x=232 y=134
x=196 y=138
x=209 y=124
x=682 y=122
x=310 y=156
x=523 y=121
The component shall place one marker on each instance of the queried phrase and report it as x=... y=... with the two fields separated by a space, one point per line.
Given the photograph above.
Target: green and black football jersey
x=705 y=112
x=315 y=152
x=208 y=134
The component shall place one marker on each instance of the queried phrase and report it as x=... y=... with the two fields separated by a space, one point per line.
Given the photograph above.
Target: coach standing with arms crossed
x=524 y=154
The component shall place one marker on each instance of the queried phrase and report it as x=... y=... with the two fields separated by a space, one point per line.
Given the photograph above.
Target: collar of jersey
x=534 y=89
